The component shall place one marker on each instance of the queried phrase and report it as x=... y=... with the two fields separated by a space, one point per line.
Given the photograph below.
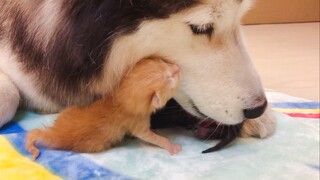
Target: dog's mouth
x=211 y=129
x=198 y=110
x=203 y=127
x=202 y=115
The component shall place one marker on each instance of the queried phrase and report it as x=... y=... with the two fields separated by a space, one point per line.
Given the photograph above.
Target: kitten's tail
x=37 y=136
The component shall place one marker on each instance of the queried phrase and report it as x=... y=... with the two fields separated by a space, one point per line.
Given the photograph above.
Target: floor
x=286 y=57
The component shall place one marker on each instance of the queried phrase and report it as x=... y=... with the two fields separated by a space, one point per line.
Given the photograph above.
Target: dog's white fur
x=47 y=18
x=201 y=60
x=217 y=73
x=9 y=94
x=32 y=99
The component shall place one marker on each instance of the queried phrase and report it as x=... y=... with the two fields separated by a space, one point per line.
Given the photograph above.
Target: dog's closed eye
x=202 y=29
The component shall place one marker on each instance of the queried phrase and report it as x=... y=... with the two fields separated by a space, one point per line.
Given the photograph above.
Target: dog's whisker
x=214 y=130
x=203 y=120
x=195 y=125
x=222 y=130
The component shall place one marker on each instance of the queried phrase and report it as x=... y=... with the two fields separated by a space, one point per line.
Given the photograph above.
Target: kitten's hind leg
x=160 y=141
x=9 y=99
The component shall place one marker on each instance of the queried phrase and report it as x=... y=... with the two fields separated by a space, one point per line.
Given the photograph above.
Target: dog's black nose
x=255 y=112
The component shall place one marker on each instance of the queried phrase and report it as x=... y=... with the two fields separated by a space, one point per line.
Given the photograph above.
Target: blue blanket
x=292 y=152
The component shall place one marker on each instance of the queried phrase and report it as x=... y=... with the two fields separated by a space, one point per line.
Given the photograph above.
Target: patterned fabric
x=291 y=153
x=299 y=109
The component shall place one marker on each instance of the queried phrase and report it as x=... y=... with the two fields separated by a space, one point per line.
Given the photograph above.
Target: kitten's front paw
x=260 y=127
x=174 y=149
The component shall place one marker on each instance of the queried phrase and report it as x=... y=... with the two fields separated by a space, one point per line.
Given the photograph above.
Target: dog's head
x=204 y=39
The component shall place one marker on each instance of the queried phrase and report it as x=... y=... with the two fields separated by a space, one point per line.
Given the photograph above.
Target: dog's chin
x=198 y=113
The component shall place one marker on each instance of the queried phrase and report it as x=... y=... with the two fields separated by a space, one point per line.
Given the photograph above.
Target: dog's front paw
x=260 y=127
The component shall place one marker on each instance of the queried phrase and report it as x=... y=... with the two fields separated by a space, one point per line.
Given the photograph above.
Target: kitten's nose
x=175 y=70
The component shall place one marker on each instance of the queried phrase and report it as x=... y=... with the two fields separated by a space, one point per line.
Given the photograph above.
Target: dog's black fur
x=173 y=115
x=79 y=46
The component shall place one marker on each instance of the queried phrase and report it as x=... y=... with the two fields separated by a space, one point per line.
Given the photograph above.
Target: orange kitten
x=146 y=88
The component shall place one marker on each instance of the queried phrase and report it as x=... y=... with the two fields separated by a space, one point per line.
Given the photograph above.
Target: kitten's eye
x=202 y=29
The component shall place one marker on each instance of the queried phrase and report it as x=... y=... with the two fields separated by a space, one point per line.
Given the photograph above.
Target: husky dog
x=59 y=53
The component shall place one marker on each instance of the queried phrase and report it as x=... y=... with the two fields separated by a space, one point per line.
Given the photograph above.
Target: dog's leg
x=9 y=99
x=260 y=127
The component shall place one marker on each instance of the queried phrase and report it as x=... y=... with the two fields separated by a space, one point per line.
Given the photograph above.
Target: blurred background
x=283 y=41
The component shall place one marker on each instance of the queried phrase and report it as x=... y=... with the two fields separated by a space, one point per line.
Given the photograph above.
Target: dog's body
x=58 y=53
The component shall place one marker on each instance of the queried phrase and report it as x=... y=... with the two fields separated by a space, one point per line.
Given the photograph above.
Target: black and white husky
x=58 y=53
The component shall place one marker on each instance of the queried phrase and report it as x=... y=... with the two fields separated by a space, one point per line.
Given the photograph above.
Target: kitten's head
x=148 y=86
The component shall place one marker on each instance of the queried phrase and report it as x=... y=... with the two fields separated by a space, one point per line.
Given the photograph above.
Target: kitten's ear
x=156 y=101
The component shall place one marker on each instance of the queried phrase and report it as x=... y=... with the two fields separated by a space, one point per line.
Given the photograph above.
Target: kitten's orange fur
x=147 y=87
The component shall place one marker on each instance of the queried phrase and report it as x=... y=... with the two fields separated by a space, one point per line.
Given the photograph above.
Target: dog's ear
x=156 y=101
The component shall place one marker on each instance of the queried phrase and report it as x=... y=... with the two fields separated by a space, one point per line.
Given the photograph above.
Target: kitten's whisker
x=184 y=106
x=172 y=112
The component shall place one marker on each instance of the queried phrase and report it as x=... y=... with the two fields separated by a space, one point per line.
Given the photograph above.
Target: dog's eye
x=202 y=29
